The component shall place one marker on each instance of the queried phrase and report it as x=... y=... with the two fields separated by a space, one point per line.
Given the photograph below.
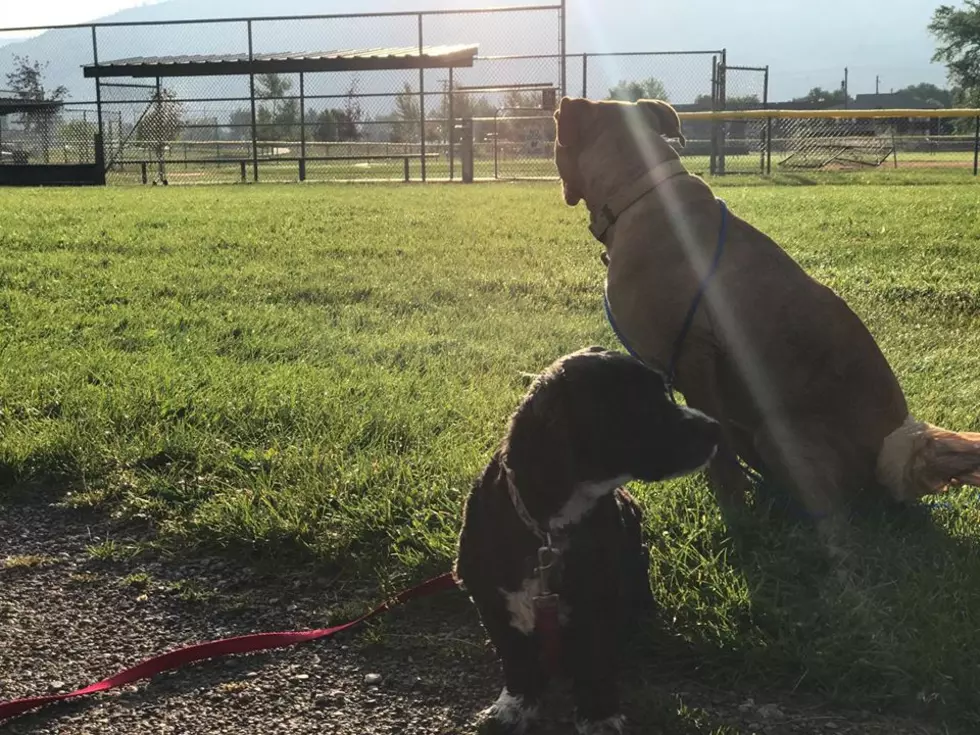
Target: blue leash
x=692 y=311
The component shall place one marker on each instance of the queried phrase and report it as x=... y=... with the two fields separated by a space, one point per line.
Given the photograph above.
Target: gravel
x=68 y=619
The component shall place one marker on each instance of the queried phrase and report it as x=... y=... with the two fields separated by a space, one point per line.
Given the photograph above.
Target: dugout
x=160 y=68
x=16 y=166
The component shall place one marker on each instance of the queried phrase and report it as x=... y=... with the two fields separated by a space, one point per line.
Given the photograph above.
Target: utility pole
x=844 y=87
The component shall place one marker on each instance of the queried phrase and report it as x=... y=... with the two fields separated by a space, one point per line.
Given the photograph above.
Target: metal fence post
x=302 y=126
x=723 y=105
x=466 y=149
x=767 y=163
x=451 y=129
x=98 y=80
x=421 y=98
x=496 y=143
x=585 y=75
x=976 y=147
x=161 y=146
x=713 y=158
x=563 y=43
x=251 y=86
x=100 y=167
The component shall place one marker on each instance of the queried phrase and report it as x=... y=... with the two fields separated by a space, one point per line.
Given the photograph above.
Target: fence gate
x=740 y=146
x=688 y=80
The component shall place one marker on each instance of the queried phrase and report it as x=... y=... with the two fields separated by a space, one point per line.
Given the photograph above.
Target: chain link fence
x=736 y=146
x=799 y=142
x=870 y=143
x=316 y=126
x=374 y=125
x=61 y=130
x=405 y=124
x=685 y=79
x=330 y=126
x=63 y=135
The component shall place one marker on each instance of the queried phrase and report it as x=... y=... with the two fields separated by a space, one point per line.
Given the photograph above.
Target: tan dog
x=803 y=392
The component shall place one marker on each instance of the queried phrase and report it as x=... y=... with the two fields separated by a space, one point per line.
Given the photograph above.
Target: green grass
x=323 y=370
x=916 y=167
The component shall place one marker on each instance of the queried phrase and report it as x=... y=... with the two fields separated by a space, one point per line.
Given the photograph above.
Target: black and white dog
x=550 y=550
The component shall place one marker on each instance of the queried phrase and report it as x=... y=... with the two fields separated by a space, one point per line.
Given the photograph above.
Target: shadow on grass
x=889 y=625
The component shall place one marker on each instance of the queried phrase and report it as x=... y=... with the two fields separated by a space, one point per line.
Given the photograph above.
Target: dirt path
x=69 y=618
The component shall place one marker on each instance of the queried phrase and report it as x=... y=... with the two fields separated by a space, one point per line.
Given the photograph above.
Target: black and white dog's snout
x=695 y=438
x=699 y=426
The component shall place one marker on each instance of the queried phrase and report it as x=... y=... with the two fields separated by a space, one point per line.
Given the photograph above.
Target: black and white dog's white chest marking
x=520 y=602
x=583 y=500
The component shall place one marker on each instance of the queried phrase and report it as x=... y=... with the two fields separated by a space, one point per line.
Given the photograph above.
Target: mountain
x=805 y=44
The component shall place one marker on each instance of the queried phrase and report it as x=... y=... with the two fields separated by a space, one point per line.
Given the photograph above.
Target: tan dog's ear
x=571 y=118
x=668 y=122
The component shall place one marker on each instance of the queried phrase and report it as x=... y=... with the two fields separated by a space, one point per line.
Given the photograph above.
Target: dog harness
x=612 y=210
x=691 y=311
x=547 y=625
x=752 y=475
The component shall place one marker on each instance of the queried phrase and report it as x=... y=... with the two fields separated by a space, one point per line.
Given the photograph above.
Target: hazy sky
x=17 y=14
x=807 y=43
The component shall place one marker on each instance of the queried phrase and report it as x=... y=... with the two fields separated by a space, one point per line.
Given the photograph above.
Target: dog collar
x=544 y=536
x=605 y=217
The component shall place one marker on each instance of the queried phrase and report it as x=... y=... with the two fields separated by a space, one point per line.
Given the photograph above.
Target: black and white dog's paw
x=615 y=725
x=509 y=715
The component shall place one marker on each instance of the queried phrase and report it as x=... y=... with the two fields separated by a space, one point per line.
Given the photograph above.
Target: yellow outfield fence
x=767 y=141
x=966 y=112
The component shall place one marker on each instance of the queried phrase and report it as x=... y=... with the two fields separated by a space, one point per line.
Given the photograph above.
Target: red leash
x=226 y=647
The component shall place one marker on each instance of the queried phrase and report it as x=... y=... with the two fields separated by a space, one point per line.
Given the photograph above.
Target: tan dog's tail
x=920 y=459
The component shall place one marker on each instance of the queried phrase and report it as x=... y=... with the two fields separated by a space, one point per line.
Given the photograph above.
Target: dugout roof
x=378 y=59
x=14 y=105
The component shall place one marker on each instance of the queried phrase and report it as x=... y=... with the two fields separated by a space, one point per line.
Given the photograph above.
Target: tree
x=339 y=124
x=527 y=126
x=825 y=97
x=405 y=119
x=278 y=119
x=928 y=94
x=328 y=124
x=647 y=89
x=352 y=114
x=240 y=124
x=958 y=33
x=78 y=136
x=465 y=104
x=26 y=81
x=738 y=102
x=161 y=125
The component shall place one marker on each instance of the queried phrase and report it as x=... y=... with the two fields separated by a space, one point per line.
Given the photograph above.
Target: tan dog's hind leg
x=807 y=466
x=727 y=479
x=700 y=389
x=804 y=465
